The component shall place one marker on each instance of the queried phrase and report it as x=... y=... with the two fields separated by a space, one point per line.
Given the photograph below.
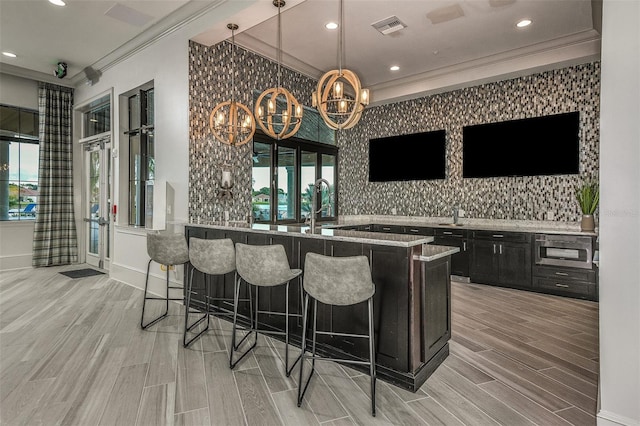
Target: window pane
x=29 y=161
x=150 y=108
x=329 y=197
x=97 y=120
x=135 y=196
x=14 y=160
x=135 y=160
x=286 y=183
x=9 y=120
x=261 y=182
x=134 y=112
x=307 y=179
x=150 y=157
x=28 y=123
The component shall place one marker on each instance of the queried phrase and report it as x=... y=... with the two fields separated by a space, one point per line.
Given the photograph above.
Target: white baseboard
x=607 y=418
x=15 y=261
x=136 y=277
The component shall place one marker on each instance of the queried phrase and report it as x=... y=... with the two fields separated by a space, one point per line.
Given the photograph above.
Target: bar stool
x=210 y=257
x=337 y=281
x=262 y=266
x=165 y=249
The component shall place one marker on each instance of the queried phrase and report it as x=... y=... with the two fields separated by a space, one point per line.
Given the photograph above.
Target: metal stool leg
x=301 y=389
x=144 y=300
x=372 y=361
x=233 y=346
x=188 y=327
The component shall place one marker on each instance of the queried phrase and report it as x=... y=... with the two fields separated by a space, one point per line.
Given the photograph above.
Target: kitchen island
x=412 y=304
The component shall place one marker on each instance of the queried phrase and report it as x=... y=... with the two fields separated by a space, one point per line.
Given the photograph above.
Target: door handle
x=464 y=246
x=562 y=285
x=500 y=248
x=494 y=249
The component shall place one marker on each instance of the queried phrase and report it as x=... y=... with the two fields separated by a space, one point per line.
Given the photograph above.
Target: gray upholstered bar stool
x=166 y=249
x=210 y=257
x=337 y=281
x=262 y=266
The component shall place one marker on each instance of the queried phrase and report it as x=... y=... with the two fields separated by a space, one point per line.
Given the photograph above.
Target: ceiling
x=445 y=44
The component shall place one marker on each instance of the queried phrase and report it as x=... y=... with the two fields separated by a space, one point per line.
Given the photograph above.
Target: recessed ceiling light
x=331 y=26
x=9 y=54
x=394 y=68
x=57 y=2
x=524 y=23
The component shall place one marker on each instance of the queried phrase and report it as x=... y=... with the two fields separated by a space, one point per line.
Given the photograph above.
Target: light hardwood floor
x=72 y=353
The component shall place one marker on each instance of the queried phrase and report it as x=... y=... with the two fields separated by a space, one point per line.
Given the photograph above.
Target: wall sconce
x=226 y=183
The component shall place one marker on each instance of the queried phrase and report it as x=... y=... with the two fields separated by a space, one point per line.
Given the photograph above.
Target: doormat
x=81 y=273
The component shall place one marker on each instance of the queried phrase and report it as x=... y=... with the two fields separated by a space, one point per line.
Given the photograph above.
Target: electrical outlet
x=394 y=211
x=461 y=213
x=163 y=268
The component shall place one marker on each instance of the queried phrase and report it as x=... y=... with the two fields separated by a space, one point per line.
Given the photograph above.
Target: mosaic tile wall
x=519 y=198
x=574 y=88
x=209 y=84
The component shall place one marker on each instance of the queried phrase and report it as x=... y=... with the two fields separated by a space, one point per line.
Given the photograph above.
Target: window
x=141 y=154
x=292 y=166
x=19 y=160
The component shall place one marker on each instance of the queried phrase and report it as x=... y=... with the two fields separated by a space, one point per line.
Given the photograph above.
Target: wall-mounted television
x=418 y=156
x=548 y=145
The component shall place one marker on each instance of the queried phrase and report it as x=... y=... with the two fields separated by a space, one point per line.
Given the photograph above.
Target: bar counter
x=412 y=304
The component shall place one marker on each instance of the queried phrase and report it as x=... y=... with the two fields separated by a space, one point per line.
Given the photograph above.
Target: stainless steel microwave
x=574 y=251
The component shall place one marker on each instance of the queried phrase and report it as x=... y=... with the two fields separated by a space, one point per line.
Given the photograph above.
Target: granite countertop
x=433 y=252
x=397 y=240
x=532 y=226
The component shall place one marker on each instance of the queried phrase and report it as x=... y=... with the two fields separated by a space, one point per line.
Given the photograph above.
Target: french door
x=97 y=205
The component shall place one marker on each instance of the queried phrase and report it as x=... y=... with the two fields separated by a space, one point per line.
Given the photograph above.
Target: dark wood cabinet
x=411 y=304
x=418 y=230
x=391 y=229
x=501 y=258
x=563 y=281
x=455 y=238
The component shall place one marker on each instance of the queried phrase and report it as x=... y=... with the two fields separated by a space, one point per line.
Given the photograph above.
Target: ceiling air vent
x=389 y=25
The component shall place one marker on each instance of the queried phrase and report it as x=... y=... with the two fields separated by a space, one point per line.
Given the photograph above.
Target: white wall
x=620 y=215
x=165 y=62
x=16 y=237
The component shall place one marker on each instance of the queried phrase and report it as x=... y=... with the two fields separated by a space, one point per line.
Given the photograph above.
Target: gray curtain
x=54 y=240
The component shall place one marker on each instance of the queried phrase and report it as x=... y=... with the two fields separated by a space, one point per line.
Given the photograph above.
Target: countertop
x=532 y=226
x=396 y=240
x=433 y=252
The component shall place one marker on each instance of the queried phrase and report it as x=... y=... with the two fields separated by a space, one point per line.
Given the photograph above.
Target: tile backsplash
x=575 y=88
x=209 y=84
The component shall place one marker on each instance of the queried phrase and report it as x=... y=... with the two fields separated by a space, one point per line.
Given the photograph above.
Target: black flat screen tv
x=418 y=156
x=539 y=146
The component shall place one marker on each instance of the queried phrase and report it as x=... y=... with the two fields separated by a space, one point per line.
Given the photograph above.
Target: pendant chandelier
x=232 y=122
x=339 y=97
x=277 y=111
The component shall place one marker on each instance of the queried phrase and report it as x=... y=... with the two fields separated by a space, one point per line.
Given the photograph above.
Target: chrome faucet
x=455 y=214
x=317 y=188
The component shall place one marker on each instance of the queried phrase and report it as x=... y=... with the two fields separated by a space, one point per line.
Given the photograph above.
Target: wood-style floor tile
x=72 y=353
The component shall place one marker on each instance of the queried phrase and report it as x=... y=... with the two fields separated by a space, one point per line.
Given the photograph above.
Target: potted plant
x=588 y=196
